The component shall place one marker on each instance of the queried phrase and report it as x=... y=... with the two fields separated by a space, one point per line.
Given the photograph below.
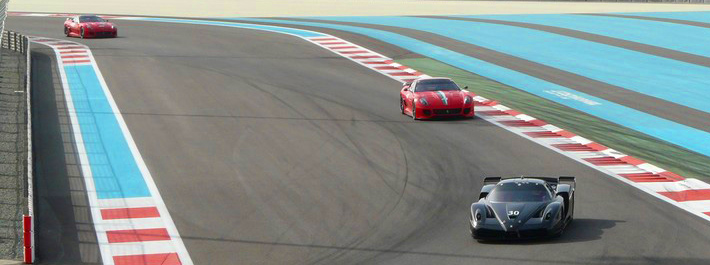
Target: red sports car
x=427 y=98
x=88 y=27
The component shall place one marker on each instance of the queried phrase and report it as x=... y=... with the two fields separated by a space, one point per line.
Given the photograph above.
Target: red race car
x=427 y=98
x=88 y=27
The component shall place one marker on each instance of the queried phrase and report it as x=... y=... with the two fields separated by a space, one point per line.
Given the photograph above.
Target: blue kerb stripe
x=678 y=134
x=697 y=16
x=114 y=169
x=679 y=37
x=297 y=32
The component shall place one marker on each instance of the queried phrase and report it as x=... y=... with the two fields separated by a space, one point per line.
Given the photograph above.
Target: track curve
x=271 y=150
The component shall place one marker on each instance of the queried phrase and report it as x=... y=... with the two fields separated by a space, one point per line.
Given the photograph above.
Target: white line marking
x=683 y=185
x=148 y=247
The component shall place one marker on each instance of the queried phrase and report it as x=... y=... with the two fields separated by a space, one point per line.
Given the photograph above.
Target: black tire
x=571 y=214
x=66 y=31
x=401 y=105
x=414 y=111
x=82 y=33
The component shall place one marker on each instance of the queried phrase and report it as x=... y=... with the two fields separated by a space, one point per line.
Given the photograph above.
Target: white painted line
x=586 y=154
x=148 y=247
x=132 y=223
x=551 y=128
x=624 y=169
x=698 y=206
x=613 y=153
x=581 y=140
x=683 y=185
x=501 y=107
x=126 y=203
x=651 y=168
x=484 y=108
x=525 y=117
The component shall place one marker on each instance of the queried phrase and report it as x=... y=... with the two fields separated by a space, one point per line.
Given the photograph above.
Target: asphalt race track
x=270 y=150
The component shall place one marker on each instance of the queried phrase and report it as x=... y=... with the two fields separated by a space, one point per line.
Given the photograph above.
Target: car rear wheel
x=66 y=31
x=82 y=33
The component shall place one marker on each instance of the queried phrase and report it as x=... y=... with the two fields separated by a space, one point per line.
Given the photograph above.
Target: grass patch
x=660 y=153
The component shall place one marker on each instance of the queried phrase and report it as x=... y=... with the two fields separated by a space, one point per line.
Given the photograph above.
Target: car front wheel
x=414 y=111
x=82 y=33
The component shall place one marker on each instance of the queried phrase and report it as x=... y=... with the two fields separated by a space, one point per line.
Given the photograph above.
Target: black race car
x=522 y=207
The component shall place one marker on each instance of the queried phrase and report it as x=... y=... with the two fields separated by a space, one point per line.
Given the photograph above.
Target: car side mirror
x=465 y=87
x=405 y=88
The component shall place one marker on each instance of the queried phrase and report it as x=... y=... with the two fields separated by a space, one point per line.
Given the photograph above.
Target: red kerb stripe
x=354 y=52
x=71 y=47
x=401 y=74
x=518 y=123
x=76 y=61
x=687 y=195
x=605 y=161
x=125 y=213
x=332 y=43
x=137 y=235
x=573 y=147
x=342 y=47
x=492 y=112
x=389 y=67
x=73 y=51
x=543 y=134
x=599 y=147
x=365 y=57
x=646 y=177
x=148 y=259
x=322 y=39
x=74 y=56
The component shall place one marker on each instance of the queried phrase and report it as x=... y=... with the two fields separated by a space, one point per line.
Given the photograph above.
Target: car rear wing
x=551 y=180
x=491 y=180
x=569 y=180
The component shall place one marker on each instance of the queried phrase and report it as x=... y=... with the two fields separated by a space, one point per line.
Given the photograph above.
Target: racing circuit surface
x=270 y=150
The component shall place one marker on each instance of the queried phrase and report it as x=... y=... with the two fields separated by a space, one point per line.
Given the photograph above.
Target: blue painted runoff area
x=678 y=37
x=678 y=134
x=113 y=166
x=697 y=16
x=679 y=82
x=292 y=31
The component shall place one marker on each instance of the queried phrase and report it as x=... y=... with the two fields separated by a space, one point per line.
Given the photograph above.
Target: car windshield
x=91 y=19
x=519 y=192
x=435 y=85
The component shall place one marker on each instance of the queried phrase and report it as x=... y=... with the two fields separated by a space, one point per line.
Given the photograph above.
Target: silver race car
x=522 y=207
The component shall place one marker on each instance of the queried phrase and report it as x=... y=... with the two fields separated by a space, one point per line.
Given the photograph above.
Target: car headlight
x=476 y=217
x=467 y=100
x=423 y=102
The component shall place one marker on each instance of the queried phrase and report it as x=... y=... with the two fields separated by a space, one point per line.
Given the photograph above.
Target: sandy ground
x=267 y=8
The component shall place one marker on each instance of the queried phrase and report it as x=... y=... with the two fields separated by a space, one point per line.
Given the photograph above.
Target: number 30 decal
x=513 y=212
